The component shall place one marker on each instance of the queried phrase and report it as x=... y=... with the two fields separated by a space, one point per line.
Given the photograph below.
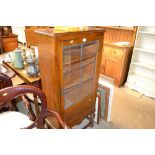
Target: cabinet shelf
x=151 y=51
x=71 y=87
x=78 y=80
x=137 y=76
x=141 y=84
x=144 y=65
x=78 y=61
x=142 y=68
x=147 y=32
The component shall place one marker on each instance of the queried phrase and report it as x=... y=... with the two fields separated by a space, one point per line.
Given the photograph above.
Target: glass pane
x=71 y=97
x=78 y=71
x=89 y=49
x=71 y=54
x=88 y=69
x=87 y=88
x=71 y=75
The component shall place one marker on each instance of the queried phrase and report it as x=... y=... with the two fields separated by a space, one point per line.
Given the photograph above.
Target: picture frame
x=103 y=94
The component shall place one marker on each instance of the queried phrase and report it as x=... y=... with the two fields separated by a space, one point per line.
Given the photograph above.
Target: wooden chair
x=1 y=44
x=38 y=116
x=5 y=81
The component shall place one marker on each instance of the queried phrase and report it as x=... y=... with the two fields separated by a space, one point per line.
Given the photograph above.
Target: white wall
x=20 y=31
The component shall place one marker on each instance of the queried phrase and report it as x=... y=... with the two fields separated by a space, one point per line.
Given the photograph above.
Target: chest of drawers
x=10 y=42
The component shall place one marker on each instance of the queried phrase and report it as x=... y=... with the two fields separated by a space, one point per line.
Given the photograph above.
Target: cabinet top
x=53 y=32
x=114 y=44
x=11 y=35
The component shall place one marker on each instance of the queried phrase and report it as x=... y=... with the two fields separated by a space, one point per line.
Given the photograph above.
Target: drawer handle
x=84 y=39
x=114 y=52
x=90 y=100
x=71 y=41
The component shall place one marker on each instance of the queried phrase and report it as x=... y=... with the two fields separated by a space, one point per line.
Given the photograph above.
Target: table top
x=22 y=74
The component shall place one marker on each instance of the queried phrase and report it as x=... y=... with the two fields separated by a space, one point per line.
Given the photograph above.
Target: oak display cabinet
x=69 y=68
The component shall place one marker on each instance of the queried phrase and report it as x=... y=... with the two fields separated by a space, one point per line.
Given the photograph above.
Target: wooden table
x=23 y=75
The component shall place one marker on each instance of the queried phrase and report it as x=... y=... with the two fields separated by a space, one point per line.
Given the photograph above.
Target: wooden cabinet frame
x=50 y=60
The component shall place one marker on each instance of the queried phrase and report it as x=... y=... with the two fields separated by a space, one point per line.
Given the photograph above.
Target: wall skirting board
x=20 y=31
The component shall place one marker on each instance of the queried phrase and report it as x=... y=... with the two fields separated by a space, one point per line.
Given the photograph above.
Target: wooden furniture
x=10 y=42
x=69 y=69
x=30 y=34
x=119 y=33
x=116 y=57
x=1 y=44
x=5 y=81
x=142 y=68
x=115 y=62
x=23 y=75
x=37 y=118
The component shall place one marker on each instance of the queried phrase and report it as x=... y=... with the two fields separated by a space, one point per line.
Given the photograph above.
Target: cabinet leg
x=92 y=116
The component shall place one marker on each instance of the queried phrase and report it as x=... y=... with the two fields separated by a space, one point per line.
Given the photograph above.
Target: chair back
x=1 y=44
x=5 y=81
x=37 y=112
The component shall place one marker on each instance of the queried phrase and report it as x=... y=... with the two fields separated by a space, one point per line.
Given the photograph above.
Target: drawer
x=84 y=39
x=74 y=41
x=114 y=52
x=13 y=39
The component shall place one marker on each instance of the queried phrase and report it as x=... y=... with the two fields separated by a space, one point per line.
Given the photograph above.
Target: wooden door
x=112 y=68
x=79 y=62
x=79 y=70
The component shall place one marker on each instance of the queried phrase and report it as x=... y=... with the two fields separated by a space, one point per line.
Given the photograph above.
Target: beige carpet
x=130 y=110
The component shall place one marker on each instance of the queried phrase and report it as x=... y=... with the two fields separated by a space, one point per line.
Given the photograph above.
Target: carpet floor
x=130 y=110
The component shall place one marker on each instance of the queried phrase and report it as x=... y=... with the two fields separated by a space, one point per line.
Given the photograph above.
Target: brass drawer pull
x=84 y=39
x=114 y=52
x=71 y=41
